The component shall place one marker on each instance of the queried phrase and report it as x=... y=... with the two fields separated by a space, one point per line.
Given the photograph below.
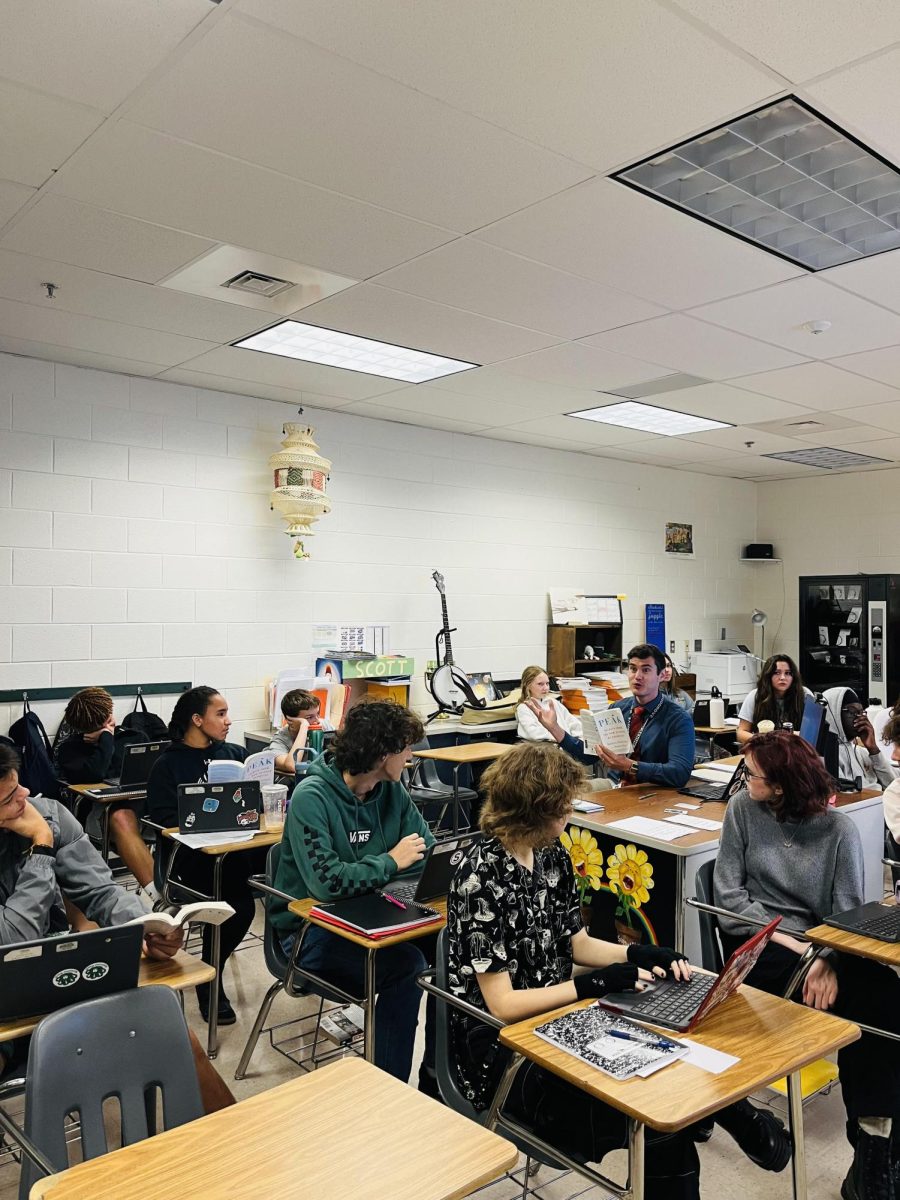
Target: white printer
x=732 y=671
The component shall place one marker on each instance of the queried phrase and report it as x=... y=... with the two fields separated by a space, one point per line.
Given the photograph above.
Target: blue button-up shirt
x=666 y=747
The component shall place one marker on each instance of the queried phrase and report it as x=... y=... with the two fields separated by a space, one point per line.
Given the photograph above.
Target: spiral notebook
x=375 y=917
x=613 y=1044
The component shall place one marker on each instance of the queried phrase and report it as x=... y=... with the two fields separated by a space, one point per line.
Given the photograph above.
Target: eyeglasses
x=753 y=775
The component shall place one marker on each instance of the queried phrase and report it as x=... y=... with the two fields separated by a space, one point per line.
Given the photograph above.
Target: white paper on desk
x=707 y=1059
x=683 y=804
x=197 y=841
x=695 y=822
x=586 y=806
x=663 y=831
x=608 y=728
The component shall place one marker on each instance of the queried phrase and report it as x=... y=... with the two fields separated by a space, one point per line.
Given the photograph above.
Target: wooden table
x=856 y=943
x=84 y=792
x=219 y=853
x=458 y=756
x=346 y=1129
x=771 y=1036
x=178 y=973
x=302 y=908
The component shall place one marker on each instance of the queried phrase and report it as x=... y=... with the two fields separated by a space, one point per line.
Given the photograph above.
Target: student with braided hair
x=86 y=756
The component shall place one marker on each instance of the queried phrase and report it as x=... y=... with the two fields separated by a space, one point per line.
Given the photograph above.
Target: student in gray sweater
x=785 y=851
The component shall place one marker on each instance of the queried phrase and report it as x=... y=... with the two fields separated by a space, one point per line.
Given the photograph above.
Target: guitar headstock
x=438 y=581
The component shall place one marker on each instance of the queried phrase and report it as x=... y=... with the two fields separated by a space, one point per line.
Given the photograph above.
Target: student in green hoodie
x=352 y=828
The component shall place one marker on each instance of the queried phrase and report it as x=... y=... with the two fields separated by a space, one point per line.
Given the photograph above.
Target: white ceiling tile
x=74 y=330
x=878 y=416
x=154 y=178
x=124 y=300
x=578 y=365
x=880 y=365
x=365 y=408
x=619 y=237
x=804 y=38
x=818 y=385
x=93 y=52
x=535 y=439
x=427 y=400
x=374 y=312
x=839 y=437
x=736 y=440
x=877 y=278
x=732 y=467
x=881 y=447
x=682 y=343
x=482 y=279
x=85 y=236
x=39 y=132
x=679 y=450
x=77 y=357
x=12 y=197
x=778 y=314
x=583 y=433
x=251 y=366
x=399 y=148
x=570 y=76
x=240 y=387
x=721 y=402
x=862 y=99
x=535 y=396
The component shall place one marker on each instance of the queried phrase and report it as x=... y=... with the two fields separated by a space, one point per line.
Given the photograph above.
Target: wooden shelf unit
x=566 y=643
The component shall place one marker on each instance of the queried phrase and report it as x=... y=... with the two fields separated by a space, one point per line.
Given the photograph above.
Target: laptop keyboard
x=705 y=791
x=118 y=793
x=886 y=928
x=678 y=1002
x=404 y=892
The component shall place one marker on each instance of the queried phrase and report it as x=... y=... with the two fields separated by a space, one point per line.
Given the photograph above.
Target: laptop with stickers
x=40 y=977
x=219 y=807
x=438 y=866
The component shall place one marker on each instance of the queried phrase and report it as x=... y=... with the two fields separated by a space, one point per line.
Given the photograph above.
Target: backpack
x=151 y=727
x=31 y=741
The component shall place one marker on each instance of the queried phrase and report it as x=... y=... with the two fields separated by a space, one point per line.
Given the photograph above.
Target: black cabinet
x=850 y=634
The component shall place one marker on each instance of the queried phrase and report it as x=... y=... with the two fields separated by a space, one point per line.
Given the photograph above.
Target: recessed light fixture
x=826 y=457
x=786 y=179
x=331 y=348
x=649 y=418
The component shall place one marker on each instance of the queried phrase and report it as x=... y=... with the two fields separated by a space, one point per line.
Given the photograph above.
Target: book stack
x=374 y=916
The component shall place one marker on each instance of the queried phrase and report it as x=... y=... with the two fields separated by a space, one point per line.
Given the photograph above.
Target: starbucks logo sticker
x=94 y=971
x=66 y=977
x=456 y=857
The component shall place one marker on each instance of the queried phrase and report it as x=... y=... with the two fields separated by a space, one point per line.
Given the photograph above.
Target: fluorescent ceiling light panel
x=311 y=343
x=827 y=458
x=649 y=418
x=785 y=179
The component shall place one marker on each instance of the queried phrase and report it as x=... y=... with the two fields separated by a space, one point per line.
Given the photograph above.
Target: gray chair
x=425 y=787
x=711 y=956
x=127 y=1047
x=289 y=978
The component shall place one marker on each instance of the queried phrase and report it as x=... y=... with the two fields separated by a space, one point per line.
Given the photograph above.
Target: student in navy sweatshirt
x=352 y=828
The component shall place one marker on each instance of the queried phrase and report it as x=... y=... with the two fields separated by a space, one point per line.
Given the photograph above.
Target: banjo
x=448 y=684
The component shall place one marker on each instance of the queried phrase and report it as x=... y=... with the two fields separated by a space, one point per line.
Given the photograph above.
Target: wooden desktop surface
x=180 y=972
x=301 y=908
x=258 y=839
x=473 y=752
x=771 y=1037
x=345 y=1129
x=88 y=789
x=857 y=943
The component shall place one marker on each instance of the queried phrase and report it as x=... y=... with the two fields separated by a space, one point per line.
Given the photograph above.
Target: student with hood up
x=861 y=757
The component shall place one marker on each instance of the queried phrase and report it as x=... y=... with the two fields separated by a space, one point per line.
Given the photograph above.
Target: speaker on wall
x=759 y=550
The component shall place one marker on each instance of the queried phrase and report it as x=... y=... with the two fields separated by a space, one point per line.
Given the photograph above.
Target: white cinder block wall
x=136 y=542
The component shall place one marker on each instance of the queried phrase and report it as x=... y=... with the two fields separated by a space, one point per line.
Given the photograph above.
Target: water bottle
x=716 y=708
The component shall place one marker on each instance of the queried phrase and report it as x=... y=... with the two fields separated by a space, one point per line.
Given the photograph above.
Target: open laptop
x=40 y=977
x=722 y=792
x=220 y=807
x=683 y=1005
x=137 y=764
x=438 y=867
x=878 y=919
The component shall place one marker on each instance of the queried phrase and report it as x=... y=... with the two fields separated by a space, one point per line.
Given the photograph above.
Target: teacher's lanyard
x=648 y=717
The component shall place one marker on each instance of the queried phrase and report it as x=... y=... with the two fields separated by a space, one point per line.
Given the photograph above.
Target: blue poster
x=655 y=625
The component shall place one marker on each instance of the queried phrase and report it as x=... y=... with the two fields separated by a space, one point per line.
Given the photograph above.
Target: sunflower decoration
x=630 y=876
x=587 y=860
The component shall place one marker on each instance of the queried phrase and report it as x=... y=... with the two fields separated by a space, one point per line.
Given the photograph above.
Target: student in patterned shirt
x=515 y=936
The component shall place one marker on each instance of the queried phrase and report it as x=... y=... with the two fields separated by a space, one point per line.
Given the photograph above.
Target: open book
x=606 y=727
x=209 y=912
x=260 y=766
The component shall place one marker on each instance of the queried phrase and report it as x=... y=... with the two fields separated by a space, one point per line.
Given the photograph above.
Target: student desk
x=458 y=756
x=178 y=973
x=674 y=865
x=83 y=790
x=219 y=854
x=345 y=1129
x=302 y=908
x=772 y=1037
x=855 y=943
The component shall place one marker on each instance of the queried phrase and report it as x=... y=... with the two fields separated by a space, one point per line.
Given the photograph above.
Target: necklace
x=790 y=842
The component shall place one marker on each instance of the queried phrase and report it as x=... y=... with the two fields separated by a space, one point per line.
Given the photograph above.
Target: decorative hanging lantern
x=301 y=475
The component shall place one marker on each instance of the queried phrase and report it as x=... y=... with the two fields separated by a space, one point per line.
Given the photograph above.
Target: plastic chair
x=125 y=1047
x=425 y=786
x=711 y=956
x=288 y=976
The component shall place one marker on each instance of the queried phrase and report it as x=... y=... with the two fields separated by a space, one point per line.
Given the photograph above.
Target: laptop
x=683 y=1005
x=40 y=977
x=219 y=807
x=813 y=727
x=438 y=868
x=721 y=792
x=137 y=764
x=876 y=919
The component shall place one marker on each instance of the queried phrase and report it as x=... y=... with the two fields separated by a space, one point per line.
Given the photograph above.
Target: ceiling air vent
x=826 y=457
x=258 y=285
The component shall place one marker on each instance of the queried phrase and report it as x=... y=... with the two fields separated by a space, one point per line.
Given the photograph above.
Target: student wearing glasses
x=786 y=852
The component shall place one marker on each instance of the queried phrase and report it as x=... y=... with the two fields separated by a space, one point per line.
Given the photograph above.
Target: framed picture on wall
x=679 y=538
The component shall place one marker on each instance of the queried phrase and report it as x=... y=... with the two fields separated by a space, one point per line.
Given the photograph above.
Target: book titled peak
x=208 y=912
x=374 y=916
x=259 y=766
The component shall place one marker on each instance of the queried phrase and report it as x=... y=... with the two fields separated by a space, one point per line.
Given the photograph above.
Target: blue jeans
x=399 y=996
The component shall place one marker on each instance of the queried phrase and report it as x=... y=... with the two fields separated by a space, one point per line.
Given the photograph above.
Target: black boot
x=759 y=1133
x=681 y=1187
x=871 y=1174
